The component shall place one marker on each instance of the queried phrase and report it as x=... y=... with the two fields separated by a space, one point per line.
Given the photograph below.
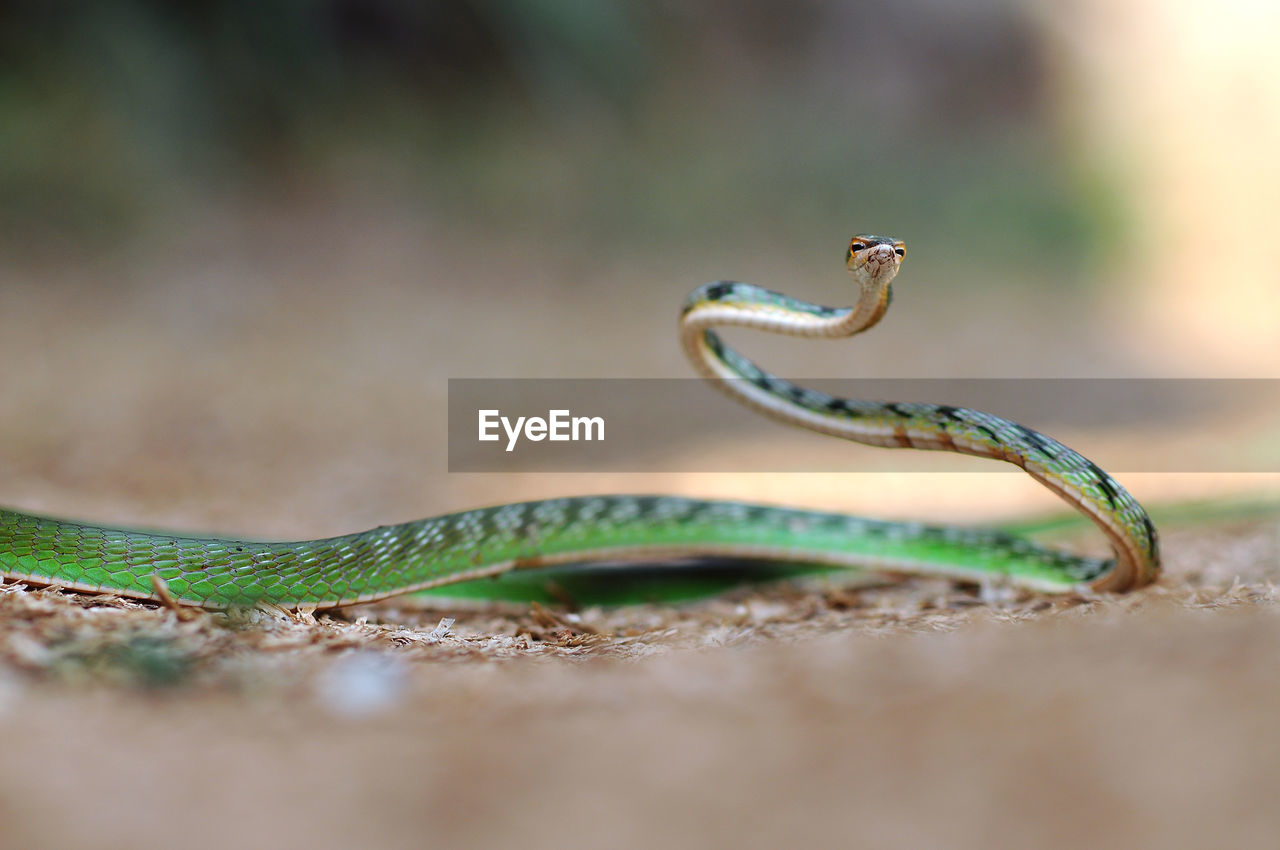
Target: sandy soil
x=906 y=716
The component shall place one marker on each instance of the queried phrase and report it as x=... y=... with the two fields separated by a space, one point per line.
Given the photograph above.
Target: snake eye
x=900 y=251
x=856 y=246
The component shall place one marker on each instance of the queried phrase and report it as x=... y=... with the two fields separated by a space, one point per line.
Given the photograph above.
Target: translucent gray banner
x=686 y=425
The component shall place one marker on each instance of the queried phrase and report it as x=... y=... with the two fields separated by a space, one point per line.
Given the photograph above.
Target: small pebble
x=362 y=684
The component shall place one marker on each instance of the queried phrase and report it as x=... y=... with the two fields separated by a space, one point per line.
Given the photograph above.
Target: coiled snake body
x=397 y=559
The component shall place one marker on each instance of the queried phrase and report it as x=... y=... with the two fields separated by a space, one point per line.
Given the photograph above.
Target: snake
x=217 y=573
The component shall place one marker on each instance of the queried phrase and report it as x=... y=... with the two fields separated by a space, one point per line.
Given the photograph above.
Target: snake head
x=874 y=259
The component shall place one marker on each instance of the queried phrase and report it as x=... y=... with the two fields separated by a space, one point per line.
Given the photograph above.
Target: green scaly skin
x=454 y=547
x=398 y=559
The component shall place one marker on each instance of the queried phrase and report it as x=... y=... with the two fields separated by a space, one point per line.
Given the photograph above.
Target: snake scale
x=395 y=559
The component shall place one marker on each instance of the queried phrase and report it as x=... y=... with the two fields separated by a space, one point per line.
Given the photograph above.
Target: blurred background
x=244 y=245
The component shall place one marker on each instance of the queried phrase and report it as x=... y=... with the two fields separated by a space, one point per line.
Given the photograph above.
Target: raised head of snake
x=872 y=258
x=873 y=261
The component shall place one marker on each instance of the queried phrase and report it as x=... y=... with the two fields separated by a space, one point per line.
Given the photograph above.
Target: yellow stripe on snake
x=390 y=560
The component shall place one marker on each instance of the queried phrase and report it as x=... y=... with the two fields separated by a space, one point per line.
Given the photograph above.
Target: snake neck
x=729 y=303
x=870 y=309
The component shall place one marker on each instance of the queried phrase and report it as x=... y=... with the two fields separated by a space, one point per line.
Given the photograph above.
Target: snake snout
x=880 y=260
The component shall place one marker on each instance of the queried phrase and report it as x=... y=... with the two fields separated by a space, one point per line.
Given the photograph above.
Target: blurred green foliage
x=222 y=84
x=613 y=121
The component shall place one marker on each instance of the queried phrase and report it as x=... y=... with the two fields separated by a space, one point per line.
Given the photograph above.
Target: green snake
x=395 y=559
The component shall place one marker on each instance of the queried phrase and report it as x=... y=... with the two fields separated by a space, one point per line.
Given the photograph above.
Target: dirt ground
x=921 y=715
x=216 y=385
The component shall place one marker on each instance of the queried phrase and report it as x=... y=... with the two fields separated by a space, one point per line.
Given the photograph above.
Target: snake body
x=390 y=560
